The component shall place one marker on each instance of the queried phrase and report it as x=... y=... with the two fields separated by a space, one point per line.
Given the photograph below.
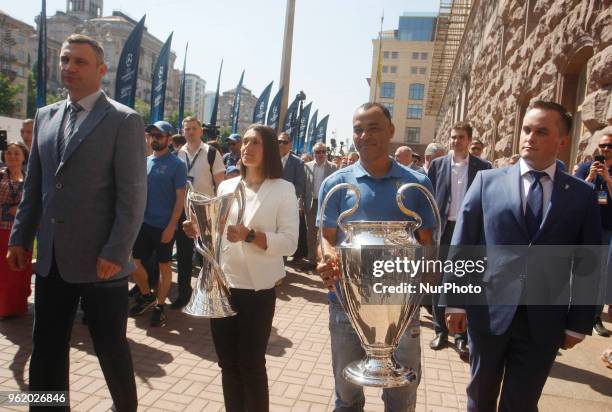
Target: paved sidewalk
x=176 y=366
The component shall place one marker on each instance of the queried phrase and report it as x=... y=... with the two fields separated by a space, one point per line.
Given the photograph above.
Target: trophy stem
x=379 y=369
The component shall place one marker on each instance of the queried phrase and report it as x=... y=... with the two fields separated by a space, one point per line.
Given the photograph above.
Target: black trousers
x=240 y=343
x=438 y=313
x=106 y=306
x=302 y=247
x=184 y=261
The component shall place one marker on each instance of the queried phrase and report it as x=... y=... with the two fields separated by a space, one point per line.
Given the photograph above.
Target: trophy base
x=203 y=308
x=379 y=373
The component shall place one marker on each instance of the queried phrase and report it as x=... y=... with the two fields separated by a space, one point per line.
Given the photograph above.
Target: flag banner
x=127 y=68
x=289 y=124
x=274 y=112
x=41 y=66
x=160 y=78
x=320 y=133
x=303 y=127
x=259 y=114
x=181 y=110
x=236 y=105
x=311 y=128
x=213 y=116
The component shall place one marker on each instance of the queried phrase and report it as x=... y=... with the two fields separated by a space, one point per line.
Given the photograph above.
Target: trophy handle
x=241 y=197
x=432 y=203
x=342 y=215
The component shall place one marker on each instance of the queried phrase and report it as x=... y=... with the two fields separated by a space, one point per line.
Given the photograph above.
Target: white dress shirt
x=319 y=176
x=87 y=103
x=284 y=159
x=459 y=183
x=200 y=168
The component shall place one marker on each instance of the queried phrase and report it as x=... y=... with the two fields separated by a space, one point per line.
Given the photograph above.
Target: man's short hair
x=433 y=148
x=83 y=39
x=478 y=142
x=565 y=125
x=318 y=144
x=27 y=121
x=383 y=108
x=287 y=135
x=178 y=139
x=351 y=154
x=191 y=119
x=465 y=126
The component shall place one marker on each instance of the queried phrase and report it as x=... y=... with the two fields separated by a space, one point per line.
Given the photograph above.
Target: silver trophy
x=210 y=298
x=379 y=319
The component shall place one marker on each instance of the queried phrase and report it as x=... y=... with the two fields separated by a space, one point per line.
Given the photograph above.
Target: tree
x=31 y=109
x=8 y=96
x=173 y=118
x=143 y=109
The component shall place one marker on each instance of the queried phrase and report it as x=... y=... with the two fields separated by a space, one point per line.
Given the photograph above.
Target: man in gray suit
x=84 y=200
x=293 y=171
x=316 y=172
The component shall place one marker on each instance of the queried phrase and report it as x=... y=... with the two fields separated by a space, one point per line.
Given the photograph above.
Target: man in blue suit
x=84 y=200
x=533 y=204
x=451 y=176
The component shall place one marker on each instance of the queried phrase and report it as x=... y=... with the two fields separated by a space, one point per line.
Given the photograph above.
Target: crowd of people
x=105 y=204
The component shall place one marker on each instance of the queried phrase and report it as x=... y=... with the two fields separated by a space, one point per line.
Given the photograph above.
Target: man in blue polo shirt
x=166 y=180
x=378 y=177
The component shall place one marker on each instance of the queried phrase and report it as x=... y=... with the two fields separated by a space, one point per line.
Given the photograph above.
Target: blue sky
x=332 y=42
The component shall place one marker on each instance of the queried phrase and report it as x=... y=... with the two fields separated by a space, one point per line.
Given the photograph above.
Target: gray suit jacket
x=309 y=168
x=294 y=172
x=91 y=203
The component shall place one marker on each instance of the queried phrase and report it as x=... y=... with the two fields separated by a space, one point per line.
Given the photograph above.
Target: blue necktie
x=64 y=138
x=535 y=204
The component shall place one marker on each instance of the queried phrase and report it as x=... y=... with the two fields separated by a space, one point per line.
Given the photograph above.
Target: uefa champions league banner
x=213 y=116
x=127 y=69
x=236 y=105
x=181 y=110
x=259 y=114
x=160 y=78
x=320 y=133
x=274 y=112
x=289 y=122
x=311 y=128
x=303 y=127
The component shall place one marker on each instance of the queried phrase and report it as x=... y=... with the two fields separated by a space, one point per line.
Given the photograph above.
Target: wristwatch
x=250 y=236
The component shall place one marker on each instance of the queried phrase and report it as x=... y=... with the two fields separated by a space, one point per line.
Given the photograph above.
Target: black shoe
x=439 y=341
x=600 y=329
x=158 y=317
x=461 y=348
x=143 y=303
x=179 y=303
x=134 y=291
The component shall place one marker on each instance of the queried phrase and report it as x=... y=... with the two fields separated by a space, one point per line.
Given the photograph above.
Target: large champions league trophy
x=210 y=298
x=379 y=319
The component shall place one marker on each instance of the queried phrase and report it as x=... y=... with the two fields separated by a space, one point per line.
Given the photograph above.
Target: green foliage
x=143 y=109
x=173 y=118
x=8 y=96
x=31 y=109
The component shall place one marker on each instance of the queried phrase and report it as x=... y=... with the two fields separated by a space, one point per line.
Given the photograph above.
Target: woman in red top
x=14 y=286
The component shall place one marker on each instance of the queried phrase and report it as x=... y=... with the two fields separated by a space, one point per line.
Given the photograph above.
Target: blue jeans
x=346 y=348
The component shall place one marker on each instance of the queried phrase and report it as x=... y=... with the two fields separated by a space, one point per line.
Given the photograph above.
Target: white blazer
x=276 y=214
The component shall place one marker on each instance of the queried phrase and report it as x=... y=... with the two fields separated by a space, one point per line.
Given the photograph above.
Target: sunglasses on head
x=605 y=146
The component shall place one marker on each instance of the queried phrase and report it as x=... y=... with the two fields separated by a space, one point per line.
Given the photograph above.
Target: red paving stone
x=176 y=368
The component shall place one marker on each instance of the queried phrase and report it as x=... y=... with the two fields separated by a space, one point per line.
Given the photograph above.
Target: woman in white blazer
x=252 y=259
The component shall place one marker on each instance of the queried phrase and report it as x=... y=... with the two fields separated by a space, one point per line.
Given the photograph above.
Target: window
x=416 y=91
x=387 y=89
x=394 y=55
x=414 y=70
x=415 y=55
x=422 y=70
x=386 y=55
x=385 y=69
x=413 y=134
x=424 y=56
x=393 y=69
x=20 y=38
x=415 y=111
x=389 y=106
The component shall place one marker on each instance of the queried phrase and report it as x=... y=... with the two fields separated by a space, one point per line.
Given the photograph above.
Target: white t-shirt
x=199 y=169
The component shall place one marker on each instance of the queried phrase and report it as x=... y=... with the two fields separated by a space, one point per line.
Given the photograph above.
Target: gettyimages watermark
x=487 y=275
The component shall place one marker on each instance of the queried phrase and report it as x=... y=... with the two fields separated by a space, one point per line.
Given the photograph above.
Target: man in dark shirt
x=598 y=173
x=231 y=158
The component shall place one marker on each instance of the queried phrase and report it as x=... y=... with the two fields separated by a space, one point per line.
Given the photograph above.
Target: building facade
x=247 y=106
x=405 y=61
x=15 y=42
x=209 y=103
x=513 y=52
x=195 y=90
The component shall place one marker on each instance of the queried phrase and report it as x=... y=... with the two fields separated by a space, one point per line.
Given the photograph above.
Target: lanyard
x=190 y=164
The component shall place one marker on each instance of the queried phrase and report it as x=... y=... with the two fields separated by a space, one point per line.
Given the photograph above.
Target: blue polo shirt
x=600 y=186
x=165 y=175
x=377 y=198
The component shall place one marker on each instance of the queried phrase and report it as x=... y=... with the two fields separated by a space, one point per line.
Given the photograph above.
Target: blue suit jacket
x=90 y=203
x=492 y=214
x=440 y=175
x=294 y=172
